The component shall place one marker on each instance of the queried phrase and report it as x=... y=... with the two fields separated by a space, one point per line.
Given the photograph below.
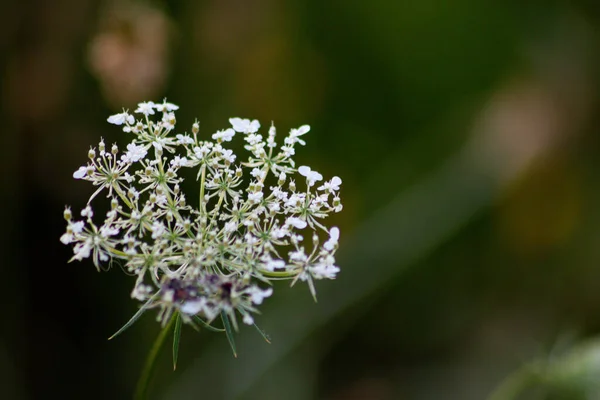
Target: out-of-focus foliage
x=466 y=134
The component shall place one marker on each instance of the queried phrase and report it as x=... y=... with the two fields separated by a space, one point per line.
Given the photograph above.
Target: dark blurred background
x=467 y=137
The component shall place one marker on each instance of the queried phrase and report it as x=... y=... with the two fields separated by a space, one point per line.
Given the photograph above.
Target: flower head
x=218 y=256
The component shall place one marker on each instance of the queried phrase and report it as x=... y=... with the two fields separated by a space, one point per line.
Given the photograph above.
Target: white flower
x=253 y=139
x=168 y=121
x=179 y=162
x=73 y=229
x=325 y=269
x=165 y=107
x=184 y=139
x=296 y=133
x=244 y=125
x=334 y=235
x=228 y=156
x=192 y=307
x=201 y=152
x=134 y=153
x=106 y=231
x=120 y=119
x=258 y=173
x=332 y=186
x=225 y=135
x=255 y=197
x=77 y=227
x=82 y=250
x=258 y=295
x=311 y=176
x=141 y=292
x=87 y=212
x=230 y=226
x=146 y=108
x=159 y=143
x=158 y=229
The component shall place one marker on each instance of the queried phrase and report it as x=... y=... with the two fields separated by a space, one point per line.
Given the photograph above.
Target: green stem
x=202 y=179
x=141 y=391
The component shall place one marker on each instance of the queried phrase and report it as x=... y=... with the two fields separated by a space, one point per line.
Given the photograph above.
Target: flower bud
x=195 y=128
x=67 y=214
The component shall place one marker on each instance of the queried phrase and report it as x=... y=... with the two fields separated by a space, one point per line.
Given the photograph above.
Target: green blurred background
x=466 y=134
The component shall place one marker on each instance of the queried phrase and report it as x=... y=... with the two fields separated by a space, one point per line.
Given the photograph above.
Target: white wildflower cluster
x=253 y=224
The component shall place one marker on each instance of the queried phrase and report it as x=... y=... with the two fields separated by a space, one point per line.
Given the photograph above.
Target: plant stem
x=141 y=391
x=201 y=199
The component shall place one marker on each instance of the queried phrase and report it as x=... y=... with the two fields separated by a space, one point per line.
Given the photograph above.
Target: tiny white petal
x=302 y=130
x=304 y=170
x=296 y=222
x=244 y=125
x=120 y=119
x=77 y=227
x=80 y=173
x=334 y=233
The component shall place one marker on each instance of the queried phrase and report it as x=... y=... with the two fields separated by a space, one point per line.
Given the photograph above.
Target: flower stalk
x=143 y=385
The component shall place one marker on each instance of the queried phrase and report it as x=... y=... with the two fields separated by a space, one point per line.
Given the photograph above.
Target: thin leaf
x=135 y=317
x=263 y=334
x=228 y=331
x=176 y=338
x=200 y=321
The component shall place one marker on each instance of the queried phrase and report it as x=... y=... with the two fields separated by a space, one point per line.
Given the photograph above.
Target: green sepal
x=135 y=317
x=176 y=339
x=204 y=324
x=228 y=331
x=263 y=334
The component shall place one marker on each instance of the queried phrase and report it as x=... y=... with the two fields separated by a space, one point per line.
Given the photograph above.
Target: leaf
x=206 y=325
x=263 y=334
x=228 y=331
x=176 y=339
x=135 y=317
